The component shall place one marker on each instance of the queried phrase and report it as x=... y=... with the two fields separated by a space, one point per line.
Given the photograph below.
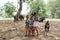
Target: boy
x=31 y=25
x=27 y=25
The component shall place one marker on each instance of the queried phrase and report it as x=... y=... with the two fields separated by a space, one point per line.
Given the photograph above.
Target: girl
x=35 y=24
x=27 y=25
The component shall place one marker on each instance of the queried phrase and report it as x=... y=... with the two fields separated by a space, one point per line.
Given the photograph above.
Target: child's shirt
x=35 y=24
x=30 y=22
x=46 y=25
x=27 y=23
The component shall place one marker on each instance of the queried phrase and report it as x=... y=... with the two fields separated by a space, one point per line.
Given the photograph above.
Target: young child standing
x=47 y=26
x=27 y=25
x=30 y=25
x=35 y=24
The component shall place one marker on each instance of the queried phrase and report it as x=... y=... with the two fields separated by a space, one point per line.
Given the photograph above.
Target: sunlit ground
x=17 y=31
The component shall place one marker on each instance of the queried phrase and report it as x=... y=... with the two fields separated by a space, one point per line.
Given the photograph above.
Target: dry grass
x=15 y=31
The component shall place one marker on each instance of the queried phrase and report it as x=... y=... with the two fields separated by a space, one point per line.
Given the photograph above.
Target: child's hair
x=35 y=13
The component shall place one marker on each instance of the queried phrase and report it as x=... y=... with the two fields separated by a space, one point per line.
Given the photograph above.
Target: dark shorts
x=46 y=27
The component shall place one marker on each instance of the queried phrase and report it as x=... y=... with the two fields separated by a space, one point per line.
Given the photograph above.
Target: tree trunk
x=19 y=11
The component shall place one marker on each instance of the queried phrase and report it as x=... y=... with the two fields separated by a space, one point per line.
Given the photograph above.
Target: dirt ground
x=15 y=31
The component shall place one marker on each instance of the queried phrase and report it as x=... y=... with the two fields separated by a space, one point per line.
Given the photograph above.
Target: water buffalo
x=21 y=17
x=41 y=19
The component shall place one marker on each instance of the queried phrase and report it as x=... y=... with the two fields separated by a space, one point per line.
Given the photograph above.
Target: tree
x=1 y=11
x=19 y=11
x=54 y=8
x=37 y=6
x=9 y=8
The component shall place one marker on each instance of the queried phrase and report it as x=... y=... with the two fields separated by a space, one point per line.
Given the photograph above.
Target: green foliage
x=37 y=6
x=9 y=9
x=54 y=7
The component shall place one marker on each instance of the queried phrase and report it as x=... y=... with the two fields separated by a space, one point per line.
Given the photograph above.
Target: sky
x=2 y=2
x=25 y=8
x=46 y=1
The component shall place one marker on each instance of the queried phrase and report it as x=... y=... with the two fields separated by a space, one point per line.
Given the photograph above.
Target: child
x=30 y=25
x=47 y=26
x=35 y=24
x=27 y=25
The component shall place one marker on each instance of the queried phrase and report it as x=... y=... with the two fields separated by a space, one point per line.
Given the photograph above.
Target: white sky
x=24 y=10
x=46 y=1
x=2 y=2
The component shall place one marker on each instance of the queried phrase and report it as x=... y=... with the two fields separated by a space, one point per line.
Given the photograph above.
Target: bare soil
x=15 y=31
